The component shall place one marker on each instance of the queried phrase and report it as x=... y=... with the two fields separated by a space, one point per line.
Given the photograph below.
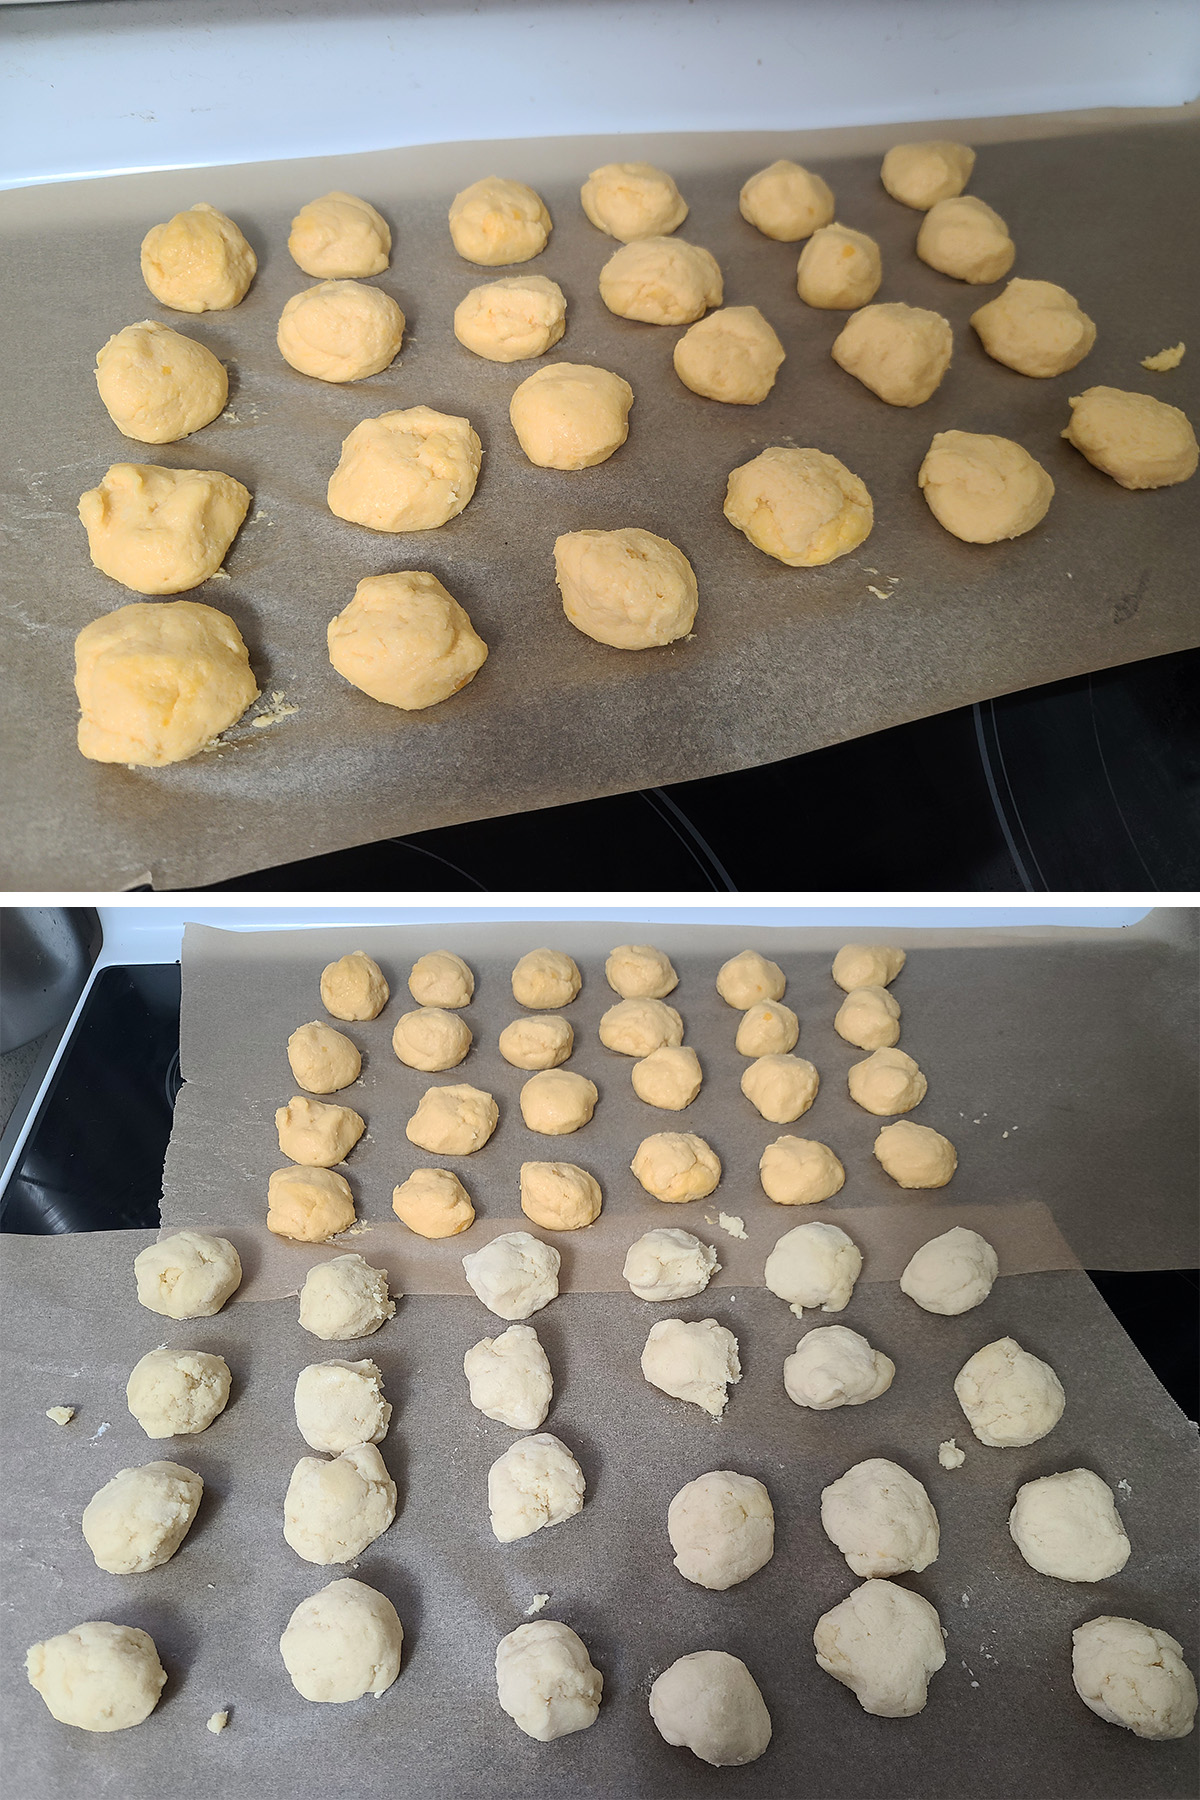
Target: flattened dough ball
x=453 y=1121
x=694 y=1360
x=511 y=319
x=497 y=221
x=722 y=1529
x=545 y=979
x=1068 y=1526
x=640 y=972
x=433 y=1203
x=343 y=1643
x=952 y=1273
x=440 y=978
x=803 y=507
x=198 y=261
x=786 y=202
x=1138 y=440
x=834 y=1366
x=176 y=1393
x=510 y=1379
x=534 y=1484
x=799 y=1172
x=919 y=175
x=157 y=385
x=733 y=355
x=1035 y=327
x=661 y=281
x=323 y=1059
x=545 y=1680
x=189 y=1275
x=881 y=1519
x=628 y=588
x=162 y=531
x=669 y=1077
x=637 y=1027
x=559 y=1196
x=676 y=1166
x=537 y=1043
x=883 y=1642
x=345 y=1298
x=309 y=1205
x=633 y=200
x=1010 y=1397
x=339 y=1404
x=899 y=352
x=669 y=1265
x=767 y=1029
x=710 y=1702
x=340 y=237
x=405 y=640
x=340 y=331
x=748 y=979
x=984 y=489
x=557 y=1102
x=354 y=987
x=138 y=1520
x=964 y=238
x=839 y=268
x=887 y=1082
x=515 y=1275
x=571 y=415
x=97 y=1676
x=915 y=1156
x=867 y=965
x=408 y=470
x=431 y=1039
x=814 y=1265
x=1134 y=1675
x=781 y=1088
x=333 y=1510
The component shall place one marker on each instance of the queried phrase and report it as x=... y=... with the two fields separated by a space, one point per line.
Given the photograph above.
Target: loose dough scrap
x=814 y=1265
x=640 y=972
x=345 y=1298
x=340 y=331
x=537 y=1043
x=696 y=1361
x=800 y=1172
x=545 y=1680
x=571 y=415
x=515 y=1275
x=867 y=965
x=536 y=1483
x=510 y=1378
x=900 y=352
x=786 y=202
x=1133 y=1675
x=339 y=1404
x=354 y=987
x=676 y=1166
x=834 y=1366
x=803 y=507
x=638 y=1027
x=1163 y=360
x=781 y=1088
x=497 y=221
x=670 y=1077
x=628 y=588
x=309 y=1205
x=1035 y=327
x=157 y=385
x=343 y=1643
x=440 y=978
x=408 y=470
x=984 y=489
x=949 y=1454
x=453 y=1121
x=189 y=1275
x=156 y=684
x=340 y=237
x=162 y=531
x=322 y=1058
x=633 y=200
x=883 y=1642
x=952 y=1273
x=138 y=1520
x=559 y=1196
x=60 y=1415
x=881 y=1519
x=1141 y=442
x=175 y=1393
x=839 y=269
x=557 y=1102
x=545 y=979
x=722 y=1529
x=887 y=1082
x=710 y=1702
x=1068 y=1526
x=97 y=1676
x=333 y=1510
x=964 y=238
x=511 y=319
x=661 y=281
x=669 y=1265
x=431 y=1039
x=869 y=1017
x=1010 y=1397
x=198 y=261
x=919 y=175
x=433 y=1203
x=733 y=355
x=915 y=1156
x=748 y=979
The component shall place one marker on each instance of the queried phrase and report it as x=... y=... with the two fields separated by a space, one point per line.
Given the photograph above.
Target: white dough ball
x=881 y=1519
x=814 y=1265
x=138 y=1520
x=431 y=1039
x=188 y=1275
x=557 y=1102
x=669 y=1265
x=883 y=1642
x=781 y=1087
x=676 y=1166
x=640 y=972
x=440 y=978
x=98 y=1677
x=799 y=1172
x=175 y=1393
x=1067 y=1525
x=696 y=1362
x=711 y=1702
x=669 y=1077
x=343 y=1643
x=534 y=1484
x=537 y=1043
x=546 y=979
x=915 y=1156
x=834 y=1366
x=333 y=1510
x=1009 y=1396
x=748 y=978
x=952 y=1273
x=869 y=1017
x=768 y=1028
x=345 y=1298
x=545 y=1681
x=638 y=1027
x=510 y=1378
x=889 y=1081
x=867 y=965
x=515 y=1275
x=340 y=1404
x=1134 y=1675
x=722 y=1529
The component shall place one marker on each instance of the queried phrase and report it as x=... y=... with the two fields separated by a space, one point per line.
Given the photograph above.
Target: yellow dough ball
x=322 y=1058
x=354 y=987
x=339 y=237
x=497 y=221
x=802 y=507
x=571 y=415
x=839 y=268
x=661 y=281
x=159 y=386
x=162 y=531
x=546 y=979
x=733 y=355
x=440 y=978
x=309 y=1204
x=433 y=1203
x=320 y=1136
x=915 y=1156
x=919 y=175
x=431 y=1039
x=1141 y=442
x=537 y=1043
x=559 y=1196
x=410 y=470
x=405 y=641
x=633 y=200
x=786 y=202
x=511 y=319
x=677 y=1166
x=1035 y=328
x=340 y=331
x=966 y=239
x=984 y=489
x=627 y=588
x=899 y=352
x=198 y=261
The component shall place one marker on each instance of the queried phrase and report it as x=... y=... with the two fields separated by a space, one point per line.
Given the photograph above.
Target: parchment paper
x=782 y=661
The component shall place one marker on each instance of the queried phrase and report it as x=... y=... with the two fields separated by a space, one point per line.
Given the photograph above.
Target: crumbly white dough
x=1068 y=1526
x=345 y=1298
x=869 y=1017
x=537 y=1043
x=440 y=978
x=175 y=1393
x=900 y=352
x=340 y=1404
x=952 y=1273
x=669 y=1077
x=536 y=1483
x=1035 y=327
x=408 y=470
x=919 y=175
x=157 y=385
x=767 y=1028
x=511 y=319
x=799 y=1172
x=883 y=1642
x=343 y=1643
x=696 y=1362
x=640 y=972
x=340 y=237
x=433 y=1203
x=628 y=588
x=881 y=1519
x=1134 y=1675
x=732 y=1224
x=354 y=987
x=515 y=1275
x=309 y=1204
x=510 y=1378
x=781 y=1087
x=964 y=238
x=453 y=1121
x=722 y=1529
x=887 y=1082
x=834 y=1366
x=497 y=221
x=710 y=1702
x=667 y=1264
x=559 y=1196
x=60 y=1415
x=786 y=202
x=431 y=1039
x=637 y=1027
x=733 y=355
x=1009 y=1396
x=676 y=1166
x=405 y=640
x=322 y=1058
x=867 y=966
x=98 y=1677
x=333 y=1510
x=949 y=1454
x=571 y=415
x=839 y=268
x=545 y=979
x=340 y=331
x=633 y=200
x=557 y=1101
x=1141 y=442
x=661 y=281
x=188 y=1275
x=198 y=261
x=803 y=507
x=217 y=1721
x=748 y=979
x=814 y=1265
x=915 y=1156
x=545 y=1680
x=138 y=1520
x=162 y=531
x=984 y=489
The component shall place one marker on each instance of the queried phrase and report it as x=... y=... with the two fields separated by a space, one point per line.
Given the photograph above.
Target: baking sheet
x=782 y=661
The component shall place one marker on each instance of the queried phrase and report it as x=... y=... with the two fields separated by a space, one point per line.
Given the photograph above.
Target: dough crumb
x=218 y=1721
x=536 y=1604
x=62 y=1415
x=879 y=593
x=278 y=707
x=731 y=1223
x=1165 y=359
x=951 y=1457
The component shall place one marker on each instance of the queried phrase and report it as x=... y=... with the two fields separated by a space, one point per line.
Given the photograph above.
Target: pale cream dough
x=176 y=1393
x=198 y=261
x=515 y=1275
x=867 y=965
x=834 y=1366
x=162 y=531
x=545 y=979
x=883 y=1642
x=510 y=1378
x=333 y=1510
x=767 y=1029
x=557 y=1102
x=915 y=1156
x=964 y=238
x=339 y=1404
x=781 y=1087
x=881 y=1519
x=1141 y=442
x=661 y=281
x=710 y=1702
x=354 y=987
x=409 y=470
x=1010 y=1397
x=1164 y=360
x=559 y=1196
x=340 y=331
x=537 y=1043
x=786 y=202
x=839 y=268
x=343 y=1643
x=670 y=1077
x=869 y=1017
x=1133 y=1675
x=97 y=1676
x=628 y=588
x=722 y=1529
x=157 y=385
x=952 y=1273
x=640 y=972
x=667 y=1264
x=814 y=1265
x=633 y=200
x=733 y=355
x=1035 y=328
x=919 y=175
x=440 y=978
x=508 y=320
x=696 y=1361
x=138 y=1520
x=984 y=489
x=405 y=640
x=636 y=1027
x=189 y=1275
x=1068 y=1526
x=340 y=237
x=900 y=352
x=431 y=1039
x=571 y=415
x=345 y=1298
x=433 y=1203
x=322 y=1058
x=749 y=978
x=535 y=1484
x=676 y=1166
x=802 y=507
x=453 y=1121
x=545 y=1680
x=498 y=221
x=887 y=1082
x=800 y=1172
x=309 y=1204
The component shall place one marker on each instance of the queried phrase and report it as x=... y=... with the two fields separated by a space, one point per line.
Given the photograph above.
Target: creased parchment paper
x=781 y=660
